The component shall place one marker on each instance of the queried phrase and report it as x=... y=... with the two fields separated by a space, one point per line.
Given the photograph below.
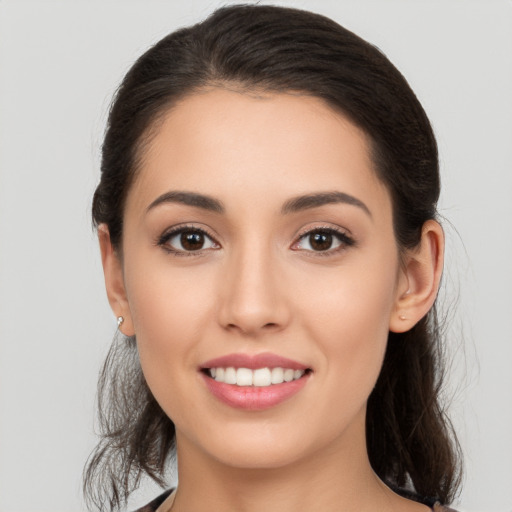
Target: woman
x=267 y=223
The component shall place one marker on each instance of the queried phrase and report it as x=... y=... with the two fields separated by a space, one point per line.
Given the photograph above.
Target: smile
x=260 y=377
x=254 y=382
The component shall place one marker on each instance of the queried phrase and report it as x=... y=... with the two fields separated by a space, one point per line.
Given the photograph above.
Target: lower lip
x=254 y=398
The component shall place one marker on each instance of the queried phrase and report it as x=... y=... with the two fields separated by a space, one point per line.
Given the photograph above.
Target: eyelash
x=344 y=239
x=163 y=240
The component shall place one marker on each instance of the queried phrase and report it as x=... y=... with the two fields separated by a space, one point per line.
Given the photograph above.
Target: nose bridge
x=252 y=297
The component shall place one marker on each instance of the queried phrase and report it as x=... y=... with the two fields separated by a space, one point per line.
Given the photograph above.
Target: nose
x=253 y=299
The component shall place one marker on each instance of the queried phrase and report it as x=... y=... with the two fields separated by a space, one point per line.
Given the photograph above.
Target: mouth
x=254 y=382
x=259 y=377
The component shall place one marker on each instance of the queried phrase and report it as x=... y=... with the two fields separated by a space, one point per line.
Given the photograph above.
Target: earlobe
x=419 y=282
x=114 y=281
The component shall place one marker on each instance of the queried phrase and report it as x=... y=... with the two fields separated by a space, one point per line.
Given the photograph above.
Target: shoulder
x=153 y=505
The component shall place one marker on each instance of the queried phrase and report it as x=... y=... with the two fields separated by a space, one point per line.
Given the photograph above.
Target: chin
x=266 y=444
x=253 y=455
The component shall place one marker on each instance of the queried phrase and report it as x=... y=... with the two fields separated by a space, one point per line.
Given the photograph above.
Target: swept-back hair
x=275 y=49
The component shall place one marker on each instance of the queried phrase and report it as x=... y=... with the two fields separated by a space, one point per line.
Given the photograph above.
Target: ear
x=419 y=281
x=114 y=280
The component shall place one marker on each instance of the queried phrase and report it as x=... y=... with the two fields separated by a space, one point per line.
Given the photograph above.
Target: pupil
x=321 y=241
x=192 y=241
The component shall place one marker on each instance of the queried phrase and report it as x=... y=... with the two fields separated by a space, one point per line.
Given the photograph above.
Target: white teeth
x=244 y=377
x=288 y=375
x=230 y=376
x=261 y=377
x=277 y=375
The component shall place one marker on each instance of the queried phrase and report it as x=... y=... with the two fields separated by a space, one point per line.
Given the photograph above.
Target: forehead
x=223 y=142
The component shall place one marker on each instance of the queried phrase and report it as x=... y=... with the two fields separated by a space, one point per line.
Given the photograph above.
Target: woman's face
x=257 y=236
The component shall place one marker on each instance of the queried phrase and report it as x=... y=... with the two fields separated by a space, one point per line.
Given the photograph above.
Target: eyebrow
x=308 y=201
x=293 y=205
x=190 y=199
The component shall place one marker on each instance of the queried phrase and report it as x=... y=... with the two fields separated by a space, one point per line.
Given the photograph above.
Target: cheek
x=348 y=316
x=356 y=298
x=170 y=308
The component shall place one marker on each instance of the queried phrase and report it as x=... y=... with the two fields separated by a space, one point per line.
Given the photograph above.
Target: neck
x=336 y=477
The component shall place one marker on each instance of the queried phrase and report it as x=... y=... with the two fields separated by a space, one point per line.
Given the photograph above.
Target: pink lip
x=253 y=398
x=263 y=360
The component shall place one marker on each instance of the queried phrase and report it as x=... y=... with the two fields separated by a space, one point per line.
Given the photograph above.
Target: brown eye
x=187 y=240
x=192 y=240
x=323 y=241
x=320 y=241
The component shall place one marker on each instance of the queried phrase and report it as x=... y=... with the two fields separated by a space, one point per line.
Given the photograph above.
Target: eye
x=323 y=240
x=187 y=240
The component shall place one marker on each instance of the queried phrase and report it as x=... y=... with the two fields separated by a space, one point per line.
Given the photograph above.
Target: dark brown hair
x=410 y=442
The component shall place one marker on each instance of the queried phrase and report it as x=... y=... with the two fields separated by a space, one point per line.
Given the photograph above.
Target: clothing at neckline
x=153 y=505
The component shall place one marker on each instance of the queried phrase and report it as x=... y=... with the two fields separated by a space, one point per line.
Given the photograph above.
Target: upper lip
x=253 y=361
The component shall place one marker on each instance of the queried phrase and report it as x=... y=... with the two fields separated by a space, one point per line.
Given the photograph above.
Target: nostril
x=267 y=326
x=252 y=317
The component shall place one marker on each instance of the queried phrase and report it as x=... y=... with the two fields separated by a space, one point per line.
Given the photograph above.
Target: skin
x=259 y=286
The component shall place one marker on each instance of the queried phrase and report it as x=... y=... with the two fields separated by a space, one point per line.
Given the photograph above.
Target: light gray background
x=60 y=62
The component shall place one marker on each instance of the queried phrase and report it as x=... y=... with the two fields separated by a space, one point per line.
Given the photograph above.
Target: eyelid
x=324 y=227
x=169 y=233
x=343 y=235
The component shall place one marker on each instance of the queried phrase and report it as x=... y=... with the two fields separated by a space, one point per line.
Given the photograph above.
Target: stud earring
x=402 y=317
x=120 y=320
